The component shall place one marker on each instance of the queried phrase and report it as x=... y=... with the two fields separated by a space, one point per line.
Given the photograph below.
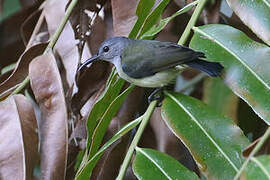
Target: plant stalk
x=134 y=143
x=192 y=22
x=253 y=152
x=52 y=42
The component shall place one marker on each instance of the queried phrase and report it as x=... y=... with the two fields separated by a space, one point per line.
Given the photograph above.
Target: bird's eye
x=106 y=49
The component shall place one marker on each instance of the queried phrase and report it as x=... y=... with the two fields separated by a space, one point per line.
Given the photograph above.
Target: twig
x=153 y=104
x=134 y=143
x=253 y=152
x=52 y=42
x=192 y=22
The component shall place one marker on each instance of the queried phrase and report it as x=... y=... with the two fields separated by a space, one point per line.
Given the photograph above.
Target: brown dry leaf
x=28 y=26
x=19 y=140
x=21 y=70
x=91 y=80
x=11 y=42
x=124 y=16
x=4 y=76
x=265 y=149
x=46 y=85
x=89 y=83
x=98 y=34
x=79 y=18
x=83 y=20
x=211 y=12
x=66 y=45
x=180 y=3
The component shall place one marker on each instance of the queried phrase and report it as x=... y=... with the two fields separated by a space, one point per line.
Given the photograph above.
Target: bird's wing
x=145 y=58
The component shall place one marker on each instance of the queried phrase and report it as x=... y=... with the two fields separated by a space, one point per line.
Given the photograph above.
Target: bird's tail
x=211 y=68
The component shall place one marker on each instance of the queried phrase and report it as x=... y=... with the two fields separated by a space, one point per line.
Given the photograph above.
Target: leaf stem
x=192 y=21
x=52 y=42
x=253 y=152
x=134 y=143
x=61 y=26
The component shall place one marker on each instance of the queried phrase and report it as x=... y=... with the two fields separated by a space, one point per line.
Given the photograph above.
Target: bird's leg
x=158 y=95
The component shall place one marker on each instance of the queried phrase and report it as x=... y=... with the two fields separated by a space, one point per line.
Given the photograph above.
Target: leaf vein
x=235 y=55
x=205 y=132
x=157 y=165
x=261 y=167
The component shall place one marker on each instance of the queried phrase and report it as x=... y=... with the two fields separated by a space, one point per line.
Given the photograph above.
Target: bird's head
x=108 y=50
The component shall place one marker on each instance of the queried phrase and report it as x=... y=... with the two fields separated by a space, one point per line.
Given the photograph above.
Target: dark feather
x=143 y=58
x=211 y=68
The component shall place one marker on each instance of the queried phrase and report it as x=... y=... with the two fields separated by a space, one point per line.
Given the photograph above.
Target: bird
x=151 y=63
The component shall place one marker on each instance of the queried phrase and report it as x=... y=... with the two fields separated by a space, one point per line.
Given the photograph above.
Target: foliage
x=70 y=124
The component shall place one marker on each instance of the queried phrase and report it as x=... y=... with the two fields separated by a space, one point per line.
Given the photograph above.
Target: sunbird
x=151 y=63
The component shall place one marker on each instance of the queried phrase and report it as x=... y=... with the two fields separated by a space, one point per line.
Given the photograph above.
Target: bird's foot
x=158 y=95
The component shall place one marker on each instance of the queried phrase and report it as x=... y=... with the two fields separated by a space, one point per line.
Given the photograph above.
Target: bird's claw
x=158 y=95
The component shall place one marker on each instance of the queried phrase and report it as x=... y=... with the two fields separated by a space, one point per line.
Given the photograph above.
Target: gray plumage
x=143 y=62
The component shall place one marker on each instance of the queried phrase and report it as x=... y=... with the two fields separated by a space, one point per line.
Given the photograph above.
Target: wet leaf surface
x=47 y=87
x=151 y=164
x=217 y=144
x=220 y=97
x=19 y=140
x=255 y=14
x=258 y=168
x=168 y=143
x=246 y=63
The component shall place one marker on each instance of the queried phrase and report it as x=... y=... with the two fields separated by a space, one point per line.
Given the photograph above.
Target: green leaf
x=161 y=25
x=143 y=9
x=154 y=16
x=151 y=164
x=246 y=63
x=113 y=88
x=214 y=141
x=85 y=172
x=258 y=168
x=255 y=14
x=220 y=97
x=105 y=120
x=100 y=107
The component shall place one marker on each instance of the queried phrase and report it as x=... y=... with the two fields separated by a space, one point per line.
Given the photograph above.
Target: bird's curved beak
x=88 y=61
